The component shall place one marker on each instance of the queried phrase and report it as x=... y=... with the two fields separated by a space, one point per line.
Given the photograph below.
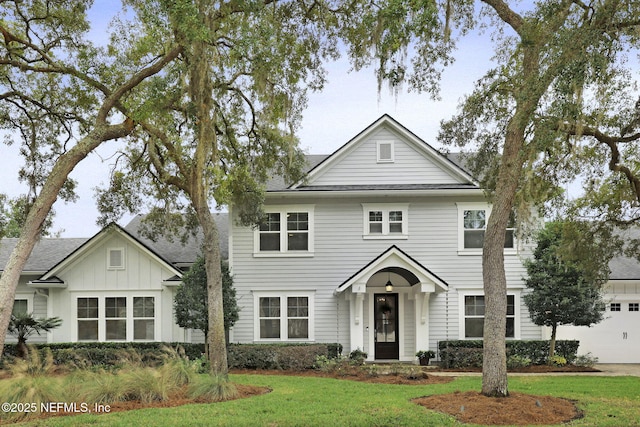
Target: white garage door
x=614 y=340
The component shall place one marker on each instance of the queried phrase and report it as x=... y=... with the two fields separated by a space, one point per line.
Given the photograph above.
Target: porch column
x=422 y=318
x=356 y=324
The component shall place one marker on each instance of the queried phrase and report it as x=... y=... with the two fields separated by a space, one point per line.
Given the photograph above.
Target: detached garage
x=617 y=338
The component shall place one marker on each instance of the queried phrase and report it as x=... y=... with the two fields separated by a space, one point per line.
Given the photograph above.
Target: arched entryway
x=389 y=304
x=387 y=314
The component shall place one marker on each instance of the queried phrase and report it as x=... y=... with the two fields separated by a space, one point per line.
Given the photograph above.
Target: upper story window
x=385 y=151
x=385 y=221
x=115 y=258
x=286 y=230
x=472 y=224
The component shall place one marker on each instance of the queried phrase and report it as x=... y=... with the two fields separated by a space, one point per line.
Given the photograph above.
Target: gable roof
x=461 y=177
x=395 y=260
x=96 y=240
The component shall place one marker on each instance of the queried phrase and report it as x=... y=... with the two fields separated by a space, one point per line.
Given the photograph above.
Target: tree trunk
x=22 y=351
x=216 y=340
x=494 y=367
x=39 y=211
x=552 y=342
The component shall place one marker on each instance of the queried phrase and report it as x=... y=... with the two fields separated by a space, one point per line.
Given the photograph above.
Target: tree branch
x=505 y=13
x=611 y=142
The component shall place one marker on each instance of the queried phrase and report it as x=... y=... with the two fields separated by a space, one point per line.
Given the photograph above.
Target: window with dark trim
x=474 y=311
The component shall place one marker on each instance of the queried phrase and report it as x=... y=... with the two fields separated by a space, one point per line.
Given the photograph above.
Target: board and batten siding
x=361 y=165
x=340 y=251
x=88 y=276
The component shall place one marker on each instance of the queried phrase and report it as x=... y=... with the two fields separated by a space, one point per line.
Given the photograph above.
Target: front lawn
x=308 y=401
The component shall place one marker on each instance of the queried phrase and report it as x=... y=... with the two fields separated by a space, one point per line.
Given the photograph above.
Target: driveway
x=606 y=370
x=618 y=369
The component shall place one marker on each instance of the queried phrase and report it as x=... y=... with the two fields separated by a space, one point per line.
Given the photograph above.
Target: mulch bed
x=517 y=409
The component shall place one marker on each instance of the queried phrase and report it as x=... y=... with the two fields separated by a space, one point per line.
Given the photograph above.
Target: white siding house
x=111 y=287
x=378 y=248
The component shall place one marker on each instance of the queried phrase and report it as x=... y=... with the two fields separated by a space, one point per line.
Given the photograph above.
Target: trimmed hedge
x=468 y=353
x=279 y=356
x=243 y=356
x=108 y=354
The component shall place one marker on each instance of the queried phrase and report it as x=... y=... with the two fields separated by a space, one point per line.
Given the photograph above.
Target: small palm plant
x=23 y=325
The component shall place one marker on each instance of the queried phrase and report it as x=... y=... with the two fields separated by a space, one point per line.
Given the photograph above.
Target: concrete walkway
x=606 y=370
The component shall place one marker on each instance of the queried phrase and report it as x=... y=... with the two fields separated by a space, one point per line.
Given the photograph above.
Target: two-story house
x=378 y=248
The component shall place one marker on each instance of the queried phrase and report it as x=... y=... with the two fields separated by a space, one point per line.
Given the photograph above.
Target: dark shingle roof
x=276 y=183
x=623 y=267
x=172 y=248
x=46 y=253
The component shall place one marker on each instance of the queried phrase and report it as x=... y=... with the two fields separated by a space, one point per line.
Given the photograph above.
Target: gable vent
x=385 y=151
x=116 y=258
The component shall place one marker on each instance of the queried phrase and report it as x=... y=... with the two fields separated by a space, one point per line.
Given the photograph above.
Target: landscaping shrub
x=358 y=357
x=586 y=360
x=108 y=355
x=557 y=360
x=515 y=361
x=32 y=382
x=468 y=353
x=275 y=356
x=212 y=387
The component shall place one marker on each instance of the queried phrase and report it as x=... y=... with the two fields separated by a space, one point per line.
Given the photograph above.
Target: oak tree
x=224 y=119
x=558 y=104
x=61 y=98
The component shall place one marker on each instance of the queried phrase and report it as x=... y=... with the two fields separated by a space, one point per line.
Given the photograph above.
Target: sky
x=349 y=102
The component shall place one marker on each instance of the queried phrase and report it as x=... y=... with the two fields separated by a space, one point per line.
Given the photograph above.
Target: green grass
x=305 y=401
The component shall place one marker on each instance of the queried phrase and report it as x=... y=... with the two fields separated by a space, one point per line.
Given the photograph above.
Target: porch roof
x=396 y=260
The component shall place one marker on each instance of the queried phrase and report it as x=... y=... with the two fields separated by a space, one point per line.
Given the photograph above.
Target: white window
x=473 y=309
x=87 y=313
x=472 y=224
x=115 y=258
x=385 y=151
x=285 y=231
x=284 y=317
x=634 y=306
x=615 y=306
x=144 y=318
x=385 y=221
x=116 y=318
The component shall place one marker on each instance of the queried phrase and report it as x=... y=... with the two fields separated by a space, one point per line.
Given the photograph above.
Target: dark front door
x=386 y=324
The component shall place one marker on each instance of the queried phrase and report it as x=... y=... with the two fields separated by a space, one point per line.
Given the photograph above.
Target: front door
x=386 y=326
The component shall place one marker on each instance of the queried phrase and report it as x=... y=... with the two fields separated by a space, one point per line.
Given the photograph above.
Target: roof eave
x=351 y=193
